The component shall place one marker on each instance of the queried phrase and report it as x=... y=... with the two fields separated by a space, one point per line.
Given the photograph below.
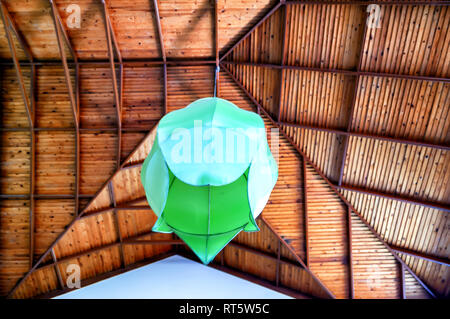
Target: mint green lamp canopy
x=209 y=174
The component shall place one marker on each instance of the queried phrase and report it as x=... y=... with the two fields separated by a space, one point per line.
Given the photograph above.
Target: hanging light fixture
x=209 y=174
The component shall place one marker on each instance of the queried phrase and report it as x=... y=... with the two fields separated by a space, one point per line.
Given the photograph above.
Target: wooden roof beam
x=163 y=52
x=350 y=253
x=23 y=91
x=283 y=53
x=216 y=32
x=354 y=96
x=405 y=199
x=341 y=71
x=444 y=147
x=57 y=19
x=112 y=198
x=57 y=271
x=160 y=33
x=305 y=205
x=332 y=186
x=132 y=62
x=216 y=49
x=402 y=281
x=70 y=129
x=29 y=102
x=278 y=264
x=412 y=253
x=74 y=100
x=42 y=196
x=117 y=97
x=59 y=37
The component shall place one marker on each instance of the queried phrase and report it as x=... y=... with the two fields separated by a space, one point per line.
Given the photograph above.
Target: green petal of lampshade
x=209 y=174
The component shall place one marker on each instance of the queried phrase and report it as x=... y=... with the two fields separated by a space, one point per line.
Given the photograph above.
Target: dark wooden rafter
x=78 y=140
x=362 y=42
x=216 y=48
x=444 y=147
x=29 y=103
x=113 y=46
x=73 y=97
x=278 y=270
x=345 y=150
x=283 y=53
x=57 y=271
x=216 y=32
x=160 y=33
x=7 y=22
x=402 y=281
x=400 y=198
x=305 y=209
x=340 y=71
x=112 y=198
x=163 y=52
x=42 y=196
x=32 y=161
x=125 y=62
x=350 y=253
x=70 y=129
x=409 y=252
x=332 y=186
x=165 y=89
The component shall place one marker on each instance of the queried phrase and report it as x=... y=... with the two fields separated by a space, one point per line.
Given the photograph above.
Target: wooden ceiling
x=361 y=206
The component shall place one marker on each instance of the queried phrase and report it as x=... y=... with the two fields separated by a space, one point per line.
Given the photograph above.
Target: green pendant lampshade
x=209 y=174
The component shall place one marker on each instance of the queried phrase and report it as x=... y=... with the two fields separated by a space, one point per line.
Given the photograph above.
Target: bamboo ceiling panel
x=304 y=63
x=412 y=40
